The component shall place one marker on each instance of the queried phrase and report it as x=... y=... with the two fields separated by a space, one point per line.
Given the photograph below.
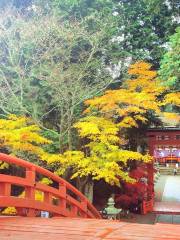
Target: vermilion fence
x=147 y=206
x=64 y=200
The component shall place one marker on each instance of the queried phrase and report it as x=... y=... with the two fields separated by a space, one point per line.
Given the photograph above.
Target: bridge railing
x=62 y=200
x=147 y=206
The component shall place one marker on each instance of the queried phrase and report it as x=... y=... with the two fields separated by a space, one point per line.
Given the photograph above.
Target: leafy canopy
x=19 y=134
x=170 y=64
x=133 y=102
x=101 y=158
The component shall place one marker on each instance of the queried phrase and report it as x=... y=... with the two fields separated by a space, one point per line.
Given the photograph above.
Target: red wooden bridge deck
x=21 y=228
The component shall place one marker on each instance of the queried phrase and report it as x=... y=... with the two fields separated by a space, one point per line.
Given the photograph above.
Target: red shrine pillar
x=147 y=205
x=148 y=202
x=150 y=171
x=150 y=188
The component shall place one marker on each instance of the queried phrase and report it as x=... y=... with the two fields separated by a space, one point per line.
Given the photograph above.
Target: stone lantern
x=111 y=211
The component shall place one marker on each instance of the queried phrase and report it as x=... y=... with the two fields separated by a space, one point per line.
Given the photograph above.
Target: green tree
x=142 y=28
x=137 y=29
x=48 y=68
x=170 y=64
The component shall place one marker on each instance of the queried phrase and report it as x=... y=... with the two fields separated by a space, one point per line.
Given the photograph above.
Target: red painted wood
x=147 y=206
x=86 y=229
x=78 y=204
x=5 y=189
x=148 y=201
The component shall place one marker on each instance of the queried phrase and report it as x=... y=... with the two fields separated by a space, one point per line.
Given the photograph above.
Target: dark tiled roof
x=155 y=129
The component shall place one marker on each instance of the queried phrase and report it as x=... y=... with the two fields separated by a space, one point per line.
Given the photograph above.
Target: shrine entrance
x=163 y=194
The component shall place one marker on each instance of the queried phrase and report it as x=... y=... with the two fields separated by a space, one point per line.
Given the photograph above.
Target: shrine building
x=164 y=145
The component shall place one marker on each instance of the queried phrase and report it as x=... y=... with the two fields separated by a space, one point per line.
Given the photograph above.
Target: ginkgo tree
x=133 y=99
x=19 y=134
x=139 y=97
x=100 y=158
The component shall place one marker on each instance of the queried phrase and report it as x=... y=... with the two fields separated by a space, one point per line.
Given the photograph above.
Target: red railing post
x=85 y=207
x=74 y=211
x=47 y=197
x=30 y=191
x=63 y=190
x=5 y=189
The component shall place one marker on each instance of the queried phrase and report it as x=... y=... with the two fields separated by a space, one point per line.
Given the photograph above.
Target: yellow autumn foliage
x=98 y=128
x=172 y=98
x=102 y=157
x=20 y=134
x=135 y=98
x=9 y=211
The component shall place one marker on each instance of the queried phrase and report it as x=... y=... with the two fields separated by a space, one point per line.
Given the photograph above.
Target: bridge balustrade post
x=5 y=189
x=74 y=211
x=30 y=190
x=62 y=189
x=47 y=197
x=85 y=207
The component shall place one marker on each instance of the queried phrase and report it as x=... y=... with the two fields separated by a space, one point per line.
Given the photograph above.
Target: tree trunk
x=86 y=186
x=139 y=148
x=70 y=120
x=61 y=130
x=68 y=173
x=88 y=191
x=69 y=138
x=60 y=143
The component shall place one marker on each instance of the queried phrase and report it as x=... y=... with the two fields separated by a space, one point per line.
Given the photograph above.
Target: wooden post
x=47 y=197
x=84 y=204
x=62 y=189
x=30 y=191
x=74 y=211
x=5 y=189
x=150 y=180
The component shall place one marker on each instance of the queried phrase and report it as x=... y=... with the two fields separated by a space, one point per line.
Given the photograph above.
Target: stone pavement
x=163 y=218
x=167 y=199
x=172 y=189
x=168 y=189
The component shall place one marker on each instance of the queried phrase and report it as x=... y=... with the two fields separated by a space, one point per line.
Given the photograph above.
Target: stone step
x=168 y=171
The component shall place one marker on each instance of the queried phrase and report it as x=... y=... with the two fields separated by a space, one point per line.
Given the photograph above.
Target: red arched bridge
x=62 y=199
x=69 y=203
